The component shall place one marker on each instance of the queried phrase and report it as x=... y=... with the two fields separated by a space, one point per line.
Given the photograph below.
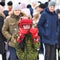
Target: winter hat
x=2 y=3
x=16 y=7
x=10 y=3
x=24 y=21
x=51 y=3
x=58 y=11
x=22 y=6
x=26 y=11
x=29 y=6
x=42 y=6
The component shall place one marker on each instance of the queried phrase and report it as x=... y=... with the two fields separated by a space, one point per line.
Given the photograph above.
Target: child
x=27 y=39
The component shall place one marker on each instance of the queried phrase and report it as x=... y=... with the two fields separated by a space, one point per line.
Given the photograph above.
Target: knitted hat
x=51 y=3
x=26 y=11
x=16 y=7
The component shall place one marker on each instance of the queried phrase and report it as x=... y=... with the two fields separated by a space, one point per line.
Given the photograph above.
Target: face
x=39 y=9
x=26 y=26
x=9 y=7
x=51 y=8
x=58 y=15
x=17 y=12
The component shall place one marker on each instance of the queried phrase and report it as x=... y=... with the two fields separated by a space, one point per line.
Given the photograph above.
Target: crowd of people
x=44 y=18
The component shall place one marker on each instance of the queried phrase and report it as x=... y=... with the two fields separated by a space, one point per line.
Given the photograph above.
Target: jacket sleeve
x=5 y=31
x=42 y=20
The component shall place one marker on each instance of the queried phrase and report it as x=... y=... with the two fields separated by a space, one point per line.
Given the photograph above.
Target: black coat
x=59 y=36
x=2 y=38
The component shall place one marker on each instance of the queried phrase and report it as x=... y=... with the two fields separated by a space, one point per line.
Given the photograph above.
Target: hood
x=16 y=17
x=47 y=10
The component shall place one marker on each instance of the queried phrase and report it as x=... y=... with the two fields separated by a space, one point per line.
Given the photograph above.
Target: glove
x=34 y=32
x=21 y=34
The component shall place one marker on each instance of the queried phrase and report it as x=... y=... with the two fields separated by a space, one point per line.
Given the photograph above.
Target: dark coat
x=2 y=38
x=59 y=36
x=6 y=12
x=48 y=27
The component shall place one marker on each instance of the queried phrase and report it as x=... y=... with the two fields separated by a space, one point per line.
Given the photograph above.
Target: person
x=27 y=39
x=36 y=16
x=37 y=13
x=48 y=29
x=33 y=4
x=10 y=7
x=2 y=38
x=40 y=8
x=9 y=28
x=31 y=9
x=2 y=21
x=58 y=13
x=2 y=4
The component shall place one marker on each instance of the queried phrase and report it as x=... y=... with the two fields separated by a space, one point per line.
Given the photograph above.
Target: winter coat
x=48 y=27
x=59 y=36
x=31 y=11
x=9 y=29
x=2 y=38
x=6 y=12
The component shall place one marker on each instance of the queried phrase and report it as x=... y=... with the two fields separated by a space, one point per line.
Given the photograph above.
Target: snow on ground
x=41 y=56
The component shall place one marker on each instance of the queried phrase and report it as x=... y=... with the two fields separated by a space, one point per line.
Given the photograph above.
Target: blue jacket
x=48 y=27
